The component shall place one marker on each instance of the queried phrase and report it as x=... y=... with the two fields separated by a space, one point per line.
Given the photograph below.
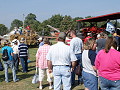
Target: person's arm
x=73 y=65
x=92 y=56
x=73 y=60
x=49 y=66
x=37 y=57
x=11 y=52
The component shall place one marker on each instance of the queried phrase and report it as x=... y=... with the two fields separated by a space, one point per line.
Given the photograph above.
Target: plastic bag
x=35 y=79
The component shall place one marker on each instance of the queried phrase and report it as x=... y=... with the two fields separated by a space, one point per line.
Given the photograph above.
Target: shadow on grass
x=31 y=68
x=24 y=76
x=76 y=84
x=2 y=77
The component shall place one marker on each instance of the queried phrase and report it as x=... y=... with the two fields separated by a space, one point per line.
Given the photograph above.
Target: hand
x=50 y=70
x=72 y=69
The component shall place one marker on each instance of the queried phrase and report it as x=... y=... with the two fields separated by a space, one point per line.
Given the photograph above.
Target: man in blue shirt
x=9 y=62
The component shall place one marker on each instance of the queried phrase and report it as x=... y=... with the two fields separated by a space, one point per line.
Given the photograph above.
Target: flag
x=110 y=27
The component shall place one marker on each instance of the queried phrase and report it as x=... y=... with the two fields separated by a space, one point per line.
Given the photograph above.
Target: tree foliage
x=3 y=29
x=63 y=23
x=16 y=23
x=30 y=20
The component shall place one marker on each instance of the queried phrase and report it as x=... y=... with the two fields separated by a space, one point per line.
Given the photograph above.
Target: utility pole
x=23 y=21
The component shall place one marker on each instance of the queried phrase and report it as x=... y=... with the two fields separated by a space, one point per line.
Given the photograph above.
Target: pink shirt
x=108 y=64
x=41 y=56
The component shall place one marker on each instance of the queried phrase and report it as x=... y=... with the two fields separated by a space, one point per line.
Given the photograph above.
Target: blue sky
x=44 y=9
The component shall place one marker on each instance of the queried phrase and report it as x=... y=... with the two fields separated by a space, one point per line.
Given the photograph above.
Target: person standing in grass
x=76 y=45
x=9 y=63
x=60 y=59
x=41 y=62
x=23 y=55
x=15 y=55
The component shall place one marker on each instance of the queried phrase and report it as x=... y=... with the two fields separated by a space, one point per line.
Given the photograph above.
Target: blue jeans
x=90 y=81
x=62 y=75
x=79 y=62
x=24 y=63
x=106 y=84
x=16 y=61
x=10 y=64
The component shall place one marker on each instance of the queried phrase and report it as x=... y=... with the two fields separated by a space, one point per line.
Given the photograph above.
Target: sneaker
x=40 y=87
x=16 y=80
x=51 y=87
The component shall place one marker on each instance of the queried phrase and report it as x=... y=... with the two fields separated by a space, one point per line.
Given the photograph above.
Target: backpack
x=5 y=56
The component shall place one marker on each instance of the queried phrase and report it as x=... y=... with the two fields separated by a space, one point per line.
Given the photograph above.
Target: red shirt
x=85 y=40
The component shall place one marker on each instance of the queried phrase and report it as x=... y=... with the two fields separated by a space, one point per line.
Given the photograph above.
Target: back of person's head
x=46 y=41
x=6 y=43
x=62 y=36
x=102 y=35
x=16 y=37
x=73 y=32
x=110 y=42
x=22 y=40
x=89 y=44
x=15 y=42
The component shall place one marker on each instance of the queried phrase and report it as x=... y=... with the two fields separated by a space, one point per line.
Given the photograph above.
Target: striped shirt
x=60 y=54
x=23 y=50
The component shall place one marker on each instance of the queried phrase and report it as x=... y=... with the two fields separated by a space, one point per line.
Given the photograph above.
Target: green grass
x=26 y=78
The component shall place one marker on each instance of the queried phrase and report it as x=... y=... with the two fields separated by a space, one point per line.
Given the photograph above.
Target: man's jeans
x=106 y=84
x=62 y=75
x=79 y=62
x=16 y=61
x=24 y=63
x=10 y=64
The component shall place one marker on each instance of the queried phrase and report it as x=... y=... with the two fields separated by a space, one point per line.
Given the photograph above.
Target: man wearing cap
x=15 y=55
x=16 y=39
x=9 y=62
x=76 y=45
x=41 y=43
x=23 y=55
x=59 y=61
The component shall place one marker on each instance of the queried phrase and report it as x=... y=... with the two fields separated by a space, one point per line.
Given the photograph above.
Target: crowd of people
x=92 y=55
x=17 y=53
x=98 y=57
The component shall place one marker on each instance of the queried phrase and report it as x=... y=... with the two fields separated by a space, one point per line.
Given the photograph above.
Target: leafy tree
x=43 y=29
x=55 y=20
x=30 y=20
x=3 y=29
x=16 y=23
x=66 y=23
x=75 y=25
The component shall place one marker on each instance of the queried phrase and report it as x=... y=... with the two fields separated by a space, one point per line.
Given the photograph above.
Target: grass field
x=25 y=78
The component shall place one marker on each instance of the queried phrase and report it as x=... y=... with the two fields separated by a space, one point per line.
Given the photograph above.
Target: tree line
x=63 y=23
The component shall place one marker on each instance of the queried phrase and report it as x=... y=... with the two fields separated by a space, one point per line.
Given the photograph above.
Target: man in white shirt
x=60 y=59
x=76 y=45
x=15 y=55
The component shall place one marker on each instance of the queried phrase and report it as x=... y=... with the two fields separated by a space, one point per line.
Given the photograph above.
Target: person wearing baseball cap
x=59 y=62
